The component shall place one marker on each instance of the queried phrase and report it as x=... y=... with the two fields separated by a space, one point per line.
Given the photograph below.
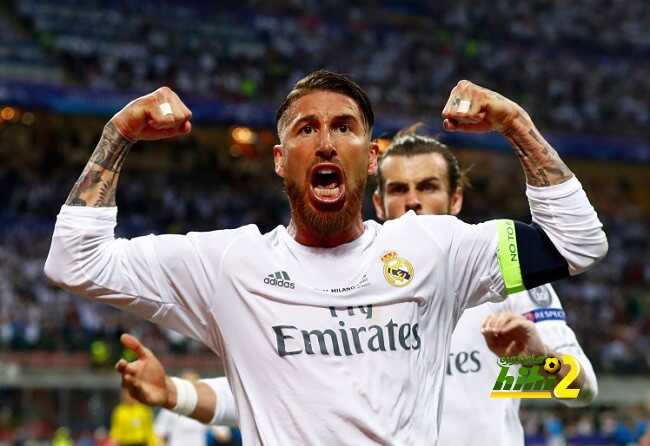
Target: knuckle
x=150 y=102
x=150 y=98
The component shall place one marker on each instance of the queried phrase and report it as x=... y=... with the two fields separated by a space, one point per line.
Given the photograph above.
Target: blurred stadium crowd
x=574 y=68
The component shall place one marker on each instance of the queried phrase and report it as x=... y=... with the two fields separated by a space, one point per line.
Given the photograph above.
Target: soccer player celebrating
x=346 y=342
x=417 y=173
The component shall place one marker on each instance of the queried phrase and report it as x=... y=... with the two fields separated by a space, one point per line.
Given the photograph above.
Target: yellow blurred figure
x=62 y=438
x=132 y=423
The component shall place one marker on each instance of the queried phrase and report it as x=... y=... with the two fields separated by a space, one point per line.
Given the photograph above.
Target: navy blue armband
x=539 y=259
x=527 y=257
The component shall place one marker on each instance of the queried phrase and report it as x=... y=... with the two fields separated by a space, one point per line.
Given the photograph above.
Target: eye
x=344 y=128
x=397 y=189
x=307 y=130
x=428 y=187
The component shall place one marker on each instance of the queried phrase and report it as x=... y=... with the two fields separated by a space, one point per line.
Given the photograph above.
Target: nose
x=413 y=202
x=326 y=149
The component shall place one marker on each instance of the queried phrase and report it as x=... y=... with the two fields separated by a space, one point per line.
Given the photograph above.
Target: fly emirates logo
x=347 y=340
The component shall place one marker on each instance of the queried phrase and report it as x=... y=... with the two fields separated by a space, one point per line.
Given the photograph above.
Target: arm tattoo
x=541 y=163
x=535 y=177
x=111 y=149
x=97 y=184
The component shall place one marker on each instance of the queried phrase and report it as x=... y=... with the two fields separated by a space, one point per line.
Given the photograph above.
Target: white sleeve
x=163 y=423
x=542 y=306
x=564 y=213
x=159 y=278
x=471 y=253
x=483 y=256
x=475 y=265
x=225 y=413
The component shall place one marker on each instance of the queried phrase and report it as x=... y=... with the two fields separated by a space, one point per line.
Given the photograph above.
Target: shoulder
x=250 y=231
x=412 y=219
x=412 y=229
x=240 y=242
x=429 y=225
x=443 y=230
x=223 y=238
x=440 y=226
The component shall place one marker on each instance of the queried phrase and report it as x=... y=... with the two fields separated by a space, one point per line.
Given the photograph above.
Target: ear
x=456 y=202
x=373 y=154
x=378 y=202
x=278 y=160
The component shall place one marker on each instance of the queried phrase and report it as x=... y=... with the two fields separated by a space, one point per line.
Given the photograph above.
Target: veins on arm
x=97 y=184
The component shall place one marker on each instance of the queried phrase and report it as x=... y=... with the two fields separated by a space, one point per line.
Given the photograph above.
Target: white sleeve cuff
x=561 y=190
x=565 y=214
x=225 y=413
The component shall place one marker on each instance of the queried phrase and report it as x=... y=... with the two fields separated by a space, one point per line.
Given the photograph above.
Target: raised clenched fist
x=471 y=108
x=158 y=115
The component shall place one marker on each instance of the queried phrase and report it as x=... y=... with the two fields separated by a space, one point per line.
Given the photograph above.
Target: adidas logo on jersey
x=280 y=279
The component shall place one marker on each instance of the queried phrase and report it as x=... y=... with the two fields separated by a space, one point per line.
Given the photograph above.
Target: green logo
x=535 y=377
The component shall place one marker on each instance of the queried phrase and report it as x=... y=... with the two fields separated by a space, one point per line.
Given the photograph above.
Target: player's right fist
x=158 y=115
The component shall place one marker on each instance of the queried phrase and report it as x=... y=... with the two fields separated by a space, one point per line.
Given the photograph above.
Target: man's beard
x=325 y=223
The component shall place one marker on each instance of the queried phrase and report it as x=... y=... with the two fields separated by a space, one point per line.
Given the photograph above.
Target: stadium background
x=582 y=70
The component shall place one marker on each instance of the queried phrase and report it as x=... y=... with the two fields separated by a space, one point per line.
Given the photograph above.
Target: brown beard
x=323 y=223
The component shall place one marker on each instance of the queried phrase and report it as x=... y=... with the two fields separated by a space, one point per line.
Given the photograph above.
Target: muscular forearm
x=98 y=182
x=471 y=108
x=558 y=204
x=541 y=163
x=158 y=115
x=207 y=404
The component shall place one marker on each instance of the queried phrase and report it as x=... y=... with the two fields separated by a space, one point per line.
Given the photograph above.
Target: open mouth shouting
x=327 y=186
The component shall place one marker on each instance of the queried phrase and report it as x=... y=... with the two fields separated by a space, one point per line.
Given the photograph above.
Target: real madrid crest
x=397 y=270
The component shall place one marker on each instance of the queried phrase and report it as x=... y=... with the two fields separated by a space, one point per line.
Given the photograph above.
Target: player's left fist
x=510 y=334
x=158 y=115
x=472 y=108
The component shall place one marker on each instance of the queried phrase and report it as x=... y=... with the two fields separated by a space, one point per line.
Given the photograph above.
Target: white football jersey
x=469 y=416
x=178 y=430
x=322 y=346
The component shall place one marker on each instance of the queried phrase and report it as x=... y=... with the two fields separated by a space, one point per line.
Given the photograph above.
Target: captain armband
x=527 y=257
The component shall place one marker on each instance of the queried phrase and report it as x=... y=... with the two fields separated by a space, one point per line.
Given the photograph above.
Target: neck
x=310 y=236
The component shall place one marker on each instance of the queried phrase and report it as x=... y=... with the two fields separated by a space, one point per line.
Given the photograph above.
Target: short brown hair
x=328 y=81
x=407 y=142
